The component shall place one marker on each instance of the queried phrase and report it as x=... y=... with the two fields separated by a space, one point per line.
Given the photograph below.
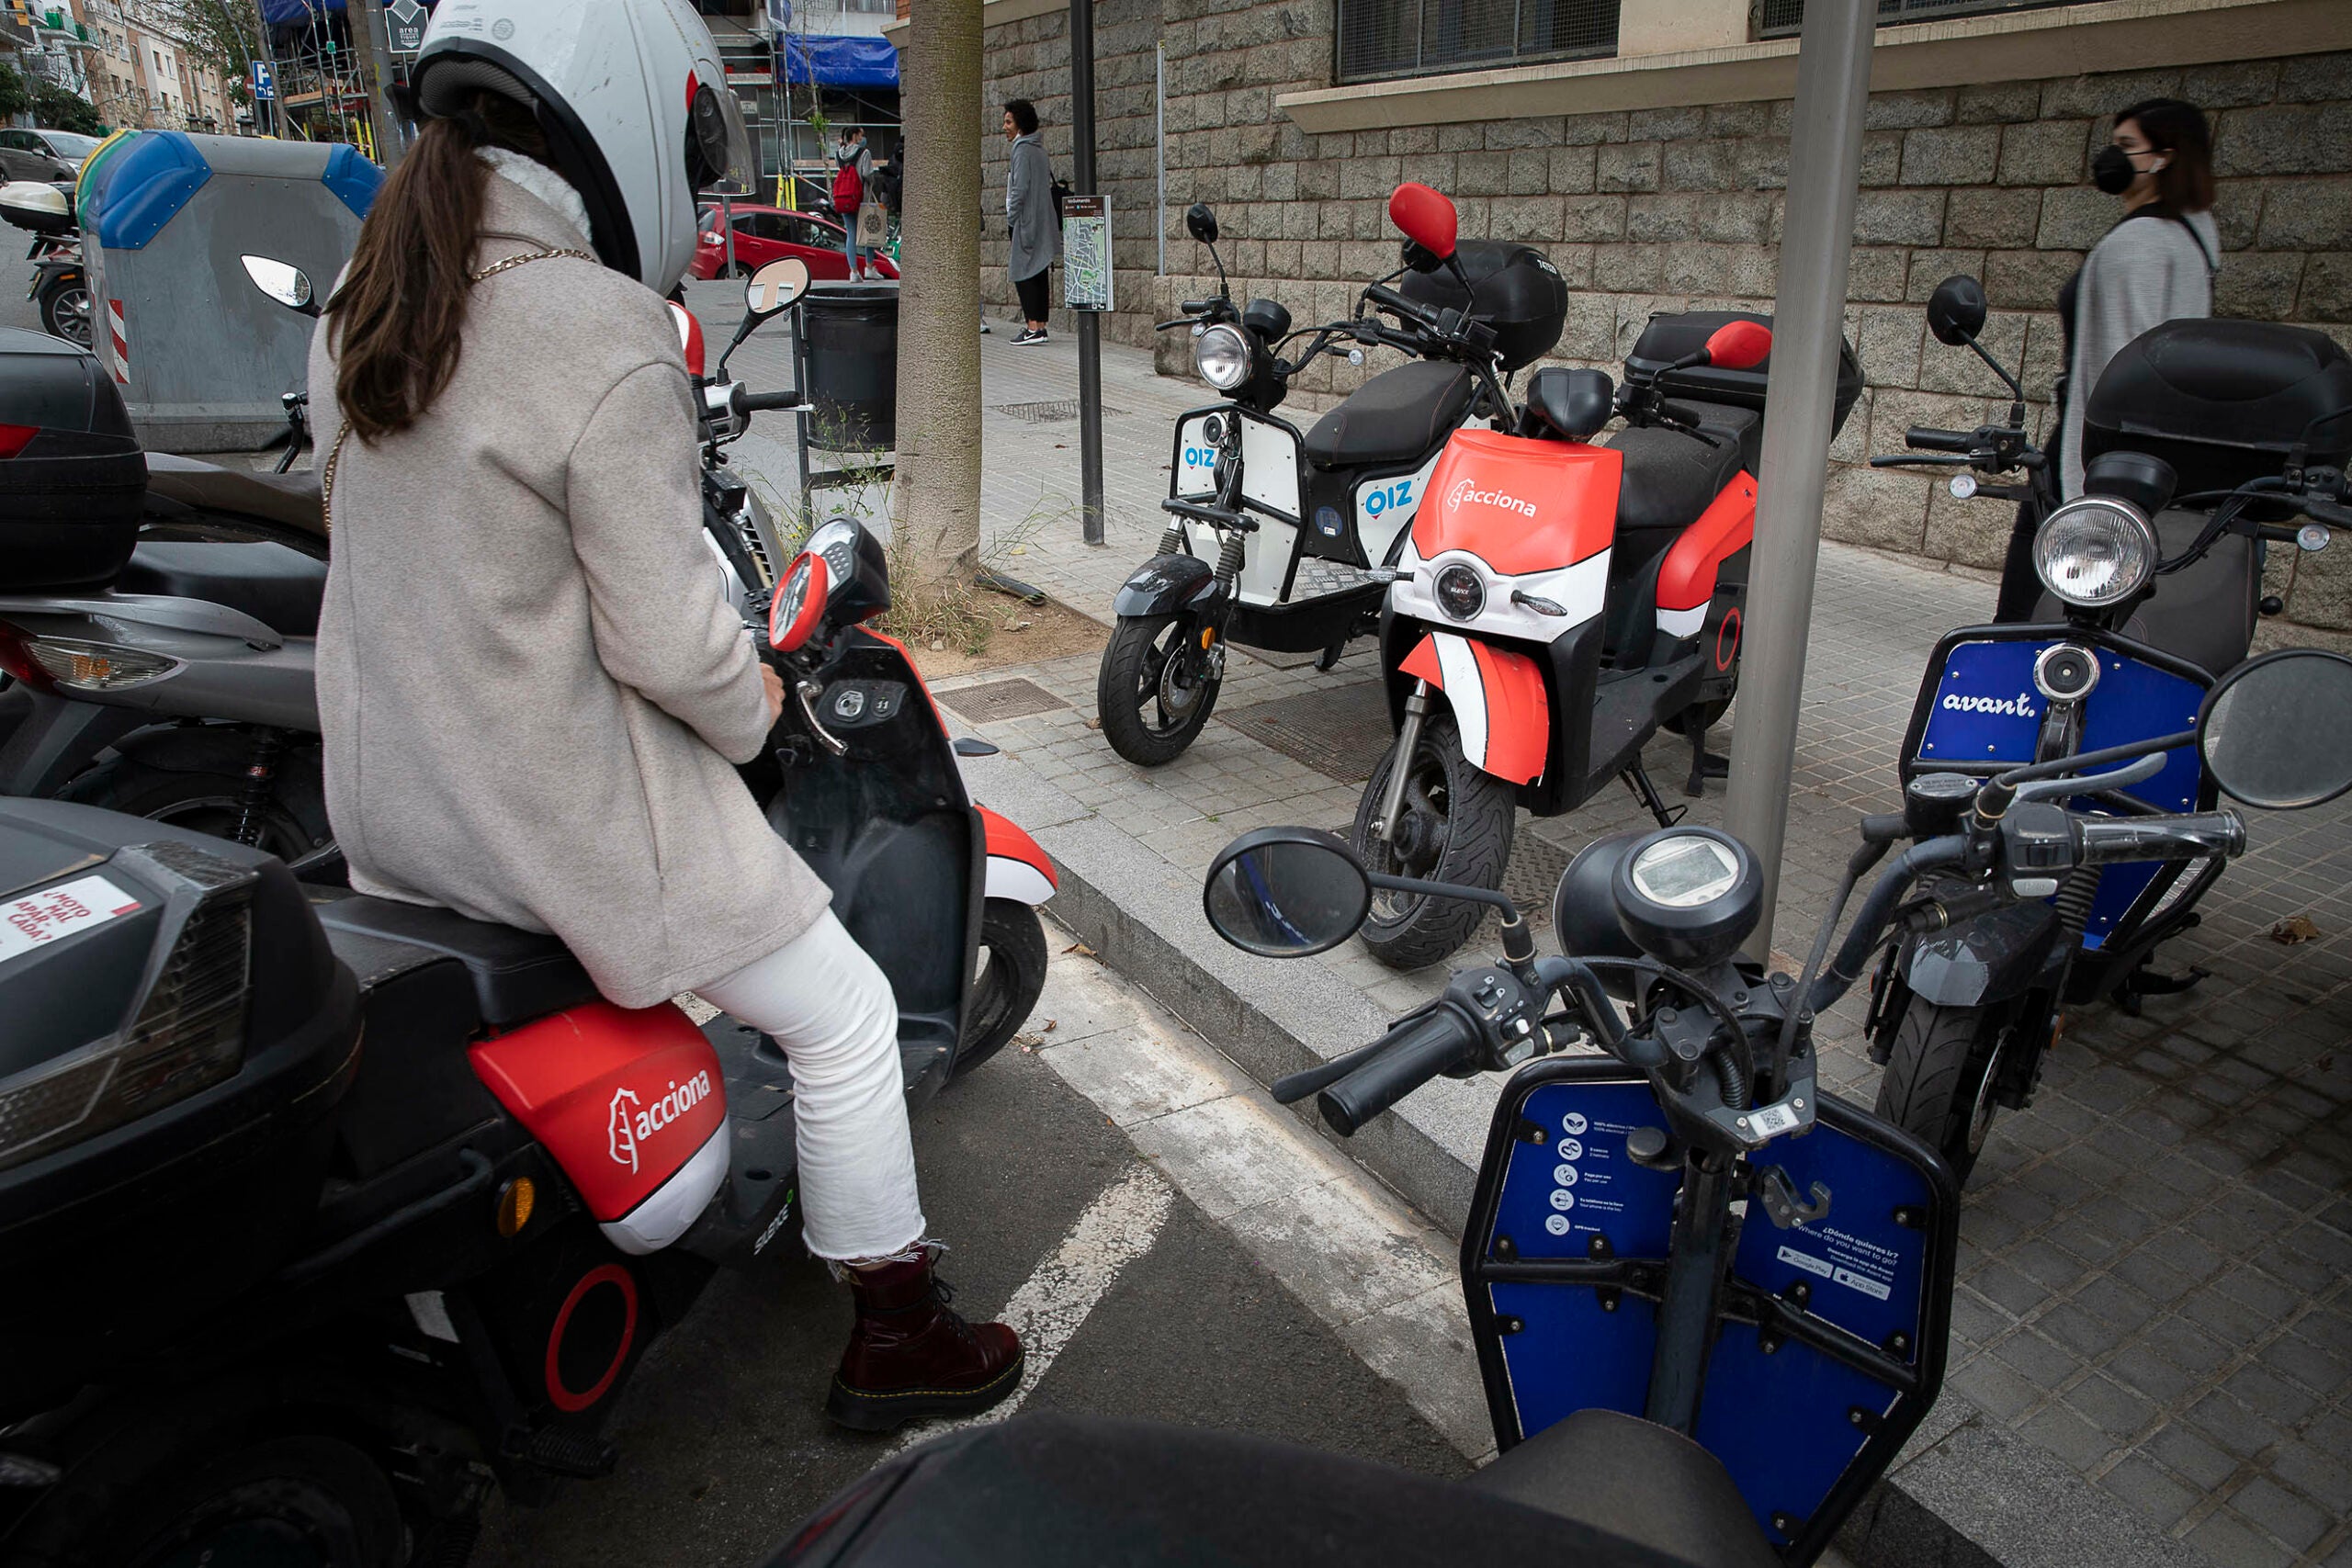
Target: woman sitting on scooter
x=531 y=691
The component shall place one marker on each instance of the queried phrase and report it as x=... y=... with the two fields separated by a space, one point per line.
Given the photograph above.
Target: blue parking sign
x=264 y=82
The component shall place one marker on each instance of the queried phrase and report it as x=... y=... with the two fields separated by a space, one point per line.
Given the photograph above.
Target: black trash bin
x=853 y=365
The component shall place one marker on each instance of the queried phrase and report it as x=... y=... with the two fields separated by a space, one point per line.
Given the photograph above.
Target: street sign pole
x=1808 y=326
x=1089 y=325
x=385 y=124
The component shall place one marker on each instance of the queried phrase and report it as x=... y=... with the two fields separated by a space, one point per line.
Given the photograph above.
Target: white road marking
x=1354 y=1256
x=1118 y=1228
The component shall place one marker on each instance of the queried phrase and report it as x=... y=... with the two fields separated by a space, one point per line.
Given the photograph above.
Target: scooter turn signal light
x=1208 y=636
x=515 y=1202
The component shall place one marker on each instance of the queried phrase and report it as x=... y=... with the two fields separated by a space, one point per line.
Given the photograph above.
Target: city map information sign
x=1086 y=252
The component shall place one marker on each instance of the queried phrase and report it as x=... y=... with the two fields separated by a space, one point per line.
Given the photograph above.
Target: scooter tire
x=1012 y=976
x=1937 y=1083
x=317 y=1495
x=62 y=317
x=1133 y=654
x=1480 y=817
x=205 y=801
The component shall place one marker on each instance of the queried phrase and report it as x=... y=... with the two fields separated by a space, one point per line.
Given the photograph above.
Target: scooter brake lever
x=808 y=692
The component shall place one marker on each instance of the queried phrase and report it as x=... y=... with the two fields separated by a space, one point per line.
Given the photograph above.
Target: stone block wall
x=1681 y=208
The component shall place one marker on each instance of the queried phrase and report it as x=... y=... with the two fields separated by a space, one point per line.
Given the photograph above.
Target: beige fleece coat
x=531 y=689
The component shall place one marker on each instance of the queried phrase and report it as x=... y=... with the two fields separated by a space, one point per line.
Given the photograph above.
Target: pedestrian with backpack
x=1030 y=218
x=853 y=174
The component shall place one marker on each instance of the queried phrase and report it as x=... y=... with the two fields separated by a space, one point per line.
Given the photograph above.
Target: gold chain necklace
x=335 y=452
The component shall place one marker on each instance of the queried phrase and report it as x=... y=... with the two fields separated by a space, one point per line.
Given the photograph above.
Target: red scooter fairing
x=632 y=1103
x=1686 y=582
x=1521 y=505
x=1017 y=867
x=1498 y=700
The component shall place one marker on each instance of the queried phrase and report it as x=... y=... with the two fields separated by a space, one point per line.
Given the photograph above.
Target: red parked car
x=764 y=235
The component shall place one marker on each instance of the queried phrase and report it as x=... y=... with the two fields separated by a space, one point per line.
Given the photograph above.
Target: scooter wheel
x=1012 y=975
x=297 y=1500
x=1456 y=826
x=65 y=314
x=1150 y=712
x=1940 y=1069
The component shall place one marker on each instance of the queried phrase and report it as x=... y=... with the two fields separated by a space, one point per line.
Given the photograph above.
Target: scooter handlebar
x=1407 y=1057
x=1922 y=439
x=1388 y=299
x=2103 y=841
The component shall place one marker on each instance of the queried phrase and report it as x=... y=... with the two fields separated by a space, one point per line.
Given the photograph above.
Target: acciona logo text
x=1466 y=493
x=2018 y=706
x=632 y=1125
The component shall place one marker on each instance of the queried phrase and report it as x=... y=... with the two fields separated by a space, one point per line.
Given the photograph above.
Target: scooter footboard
x=1830 y=1336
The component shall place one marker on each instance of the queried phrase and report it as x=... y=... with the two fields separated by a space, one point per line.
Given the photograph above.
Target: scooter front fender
x=1497 y=700
x=1165 y=585
x=1992 y=958
x=1018 y=869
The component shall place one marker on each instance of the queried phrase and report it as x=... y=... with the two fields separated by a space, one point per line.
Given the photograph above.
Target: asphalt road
x=724 y=1443
x=16 y=309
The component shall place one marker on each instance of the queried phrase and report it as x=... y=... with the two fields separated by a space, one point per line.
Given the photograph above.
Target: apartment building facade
x=1643 y=145
x=140 y=76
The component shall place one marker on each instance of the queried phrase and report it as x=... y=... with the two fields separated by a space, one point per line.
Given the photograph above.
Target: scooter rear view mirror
x=1286 y=892
x=1739 y=345
x=2275 y=734
x=1956 y=309
x=1200 y=223
x=775 y=286
x=1425 y=216
x=282 y=281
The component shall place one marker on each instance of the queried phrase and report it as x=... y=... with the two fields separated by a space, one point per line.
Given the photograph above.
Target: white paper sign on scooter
x=39 y=919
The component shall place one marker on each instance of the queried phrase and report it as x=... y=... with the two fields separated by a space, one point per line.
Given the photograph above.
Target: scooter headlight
x=2096 y=551
x=1223 y=356
x=1459 y=591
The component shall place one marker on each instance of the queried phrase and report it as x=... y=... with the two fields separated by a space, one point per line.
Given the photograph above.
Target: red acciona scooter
x=1558 y=602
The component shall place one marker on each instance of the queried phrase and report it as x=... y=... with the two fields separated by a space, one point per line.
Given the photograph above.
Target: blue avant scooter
x=1710 y=1302
x=2206 y=441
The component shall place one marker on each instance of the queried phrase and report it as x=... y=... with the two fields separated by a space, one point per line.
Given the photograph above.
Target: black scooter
x=1710 y=1302
x=2207 y=442
x=61 y=288
x=274 y=1297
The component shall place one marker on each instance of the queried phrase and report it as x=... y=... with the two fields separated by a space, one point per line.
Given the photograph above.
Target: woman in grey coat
x=2158 y=263
x=532 y=694
x=1029 y=218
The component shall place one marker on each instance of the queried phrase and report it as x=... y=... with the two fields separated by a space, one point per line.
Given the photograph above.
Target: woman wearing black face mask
x=2156 y=264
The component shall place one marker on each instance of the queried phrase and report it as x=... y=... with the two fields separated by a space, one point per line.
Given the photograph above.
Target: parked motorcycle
x=1560 y=602
x=1710 y=1302
x=397 y=1276
x=61 y=288
x=2204 y=441
x=1282 y=541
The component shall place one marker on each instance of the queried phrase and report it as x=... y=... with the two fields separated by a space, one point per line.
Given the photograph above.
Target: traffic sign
x=265 y=81
x=408 y=21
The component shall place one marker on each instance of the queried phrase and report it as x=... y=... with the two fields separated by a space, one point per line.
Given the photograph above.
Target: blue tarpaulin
x=276 y=13
x=834 y=62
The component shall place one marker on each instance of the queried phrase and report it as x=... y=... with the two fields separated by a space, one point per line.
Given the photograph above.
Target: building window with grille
x=1785 y=19
x=1418 y=37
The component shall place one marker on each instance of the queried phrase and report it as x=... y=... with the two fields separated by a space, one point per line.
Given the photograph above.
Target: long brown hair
x=398 y=313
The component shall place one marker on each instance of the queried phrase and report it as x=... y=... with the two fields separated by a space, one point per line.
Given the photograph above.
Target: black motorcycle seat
x=1397 y=416
x=289 y=499
x=1671 y=477
x=2203 y=613
x=518 y=975
x=276 y=585
x=1634 y=1479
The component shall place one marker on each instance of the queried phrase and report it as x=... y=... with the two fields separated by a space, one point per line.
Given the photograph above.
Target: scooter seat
x=1634 y=1479
x=289 y=499
x=1670 y=477
x=518 y=975
x=1397 y=416
x=277 y=586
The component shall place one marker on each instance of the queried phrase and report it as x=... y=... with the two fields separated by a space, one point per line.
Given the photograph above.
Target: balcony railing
x=1379 y=39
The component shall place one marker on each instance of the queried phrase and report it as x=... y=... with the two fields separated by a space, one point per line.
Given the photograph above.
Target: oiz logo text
x=1379 y=501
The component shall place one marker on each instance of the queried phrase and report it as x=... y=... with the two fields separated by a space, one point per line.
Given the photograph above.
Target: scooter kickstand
x=1637 y=779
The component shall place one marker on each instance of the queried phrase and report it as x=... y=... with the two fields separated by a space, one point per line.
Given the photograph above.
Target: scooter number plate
x=54 y=913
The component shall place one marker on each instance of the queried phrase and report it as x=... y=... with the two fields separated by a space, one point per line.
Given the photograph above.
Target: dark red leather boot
x=910 y=1355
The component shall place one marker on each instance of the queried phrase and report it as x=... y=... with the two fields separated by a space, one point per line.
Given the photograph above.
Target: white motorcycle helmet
x=631 y=96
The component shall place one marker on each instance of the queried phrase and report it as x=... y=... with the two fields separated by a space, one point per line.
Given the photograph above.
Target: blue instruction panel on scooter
x=1827 y=1331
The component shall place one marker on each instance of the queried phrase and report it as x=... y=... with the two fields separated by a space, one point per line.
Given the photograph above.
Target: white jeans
x=830 y=1007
